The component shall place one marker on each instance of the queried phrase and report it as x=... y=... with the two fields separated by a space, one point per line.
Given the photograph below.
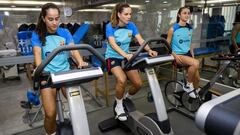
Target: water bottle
x=33 y=97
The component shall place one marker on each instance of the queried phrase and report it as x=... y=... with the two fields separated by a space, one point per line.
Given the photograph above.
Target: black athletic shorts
x=188 y=54
x=114 y=62
x=47 y=84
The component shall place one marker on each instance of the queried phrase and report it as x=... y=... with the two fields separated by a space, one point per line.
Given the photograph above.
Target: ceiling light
x=165 y=2
x=28 y=2
x=147 y=1
x=13 y=6
x=113 y=5
x=95 y=10
x=19 y=9
x=6 y=13
x=214 y=1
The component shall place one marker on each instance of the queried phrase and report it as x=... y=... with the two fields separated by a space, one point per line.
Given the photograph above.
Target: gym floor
x=13 y=121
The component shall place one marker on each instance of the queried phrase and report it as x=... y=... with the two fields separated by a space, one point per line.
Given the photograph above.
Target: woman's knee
x=138 y=84
x=50 y=114
x=122 y=81
x=195 y=64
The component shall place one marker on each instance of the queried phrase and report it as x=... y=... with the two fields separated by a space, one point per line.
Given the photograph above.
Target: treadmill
x=220 y=116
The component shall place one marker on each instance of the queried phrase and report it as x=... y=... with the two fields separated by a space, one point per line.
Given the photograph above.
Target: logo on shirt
x=182 y=41
x=62 y=43
x=118 y=43
x=113 y=62
x=47 y=53
x=129 y=34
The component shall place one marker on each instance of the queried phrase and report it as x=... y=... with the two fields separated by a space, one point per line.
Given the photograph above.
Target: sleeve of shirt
x=133 y=28
x=35 y=41
x=68 y=37
x=109 y=30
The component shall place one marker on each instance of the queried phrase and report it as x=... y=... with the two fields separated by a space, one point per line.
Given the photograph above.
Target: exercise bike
x=139 y=123
x=78 y=125
x=231 y=76
x=177 y=97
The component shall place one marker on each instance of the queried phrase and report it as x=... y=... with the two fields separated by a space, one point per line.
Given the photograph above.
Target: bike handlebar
x=147 y=41
x=38 y=71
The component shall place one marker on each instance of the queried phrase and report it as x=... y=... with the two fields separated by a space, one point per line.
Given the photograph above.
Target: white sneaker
x=120 y=113
x=190 y=90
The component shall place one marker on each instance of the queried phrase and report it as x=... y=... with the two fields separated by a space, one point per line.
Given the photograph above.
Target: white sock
x=190 y=85
x=128 y=96
x=51 y=134
x=119 y=109
x=119 y=103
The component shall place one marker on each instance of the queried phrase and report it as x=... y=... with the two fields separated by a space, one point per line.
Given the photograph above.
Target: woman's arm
x=77 y=56
x=191 y=50
x=147 y=48
x=37 y=51
x=169 y=36
x=115 y=47
x=235 y=30
x=169 y=40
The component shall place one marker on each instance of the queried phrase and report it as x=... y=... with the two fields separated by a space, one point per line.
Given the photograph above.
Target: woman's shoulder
x=130 y=23
x=35 y=34
x=189 y=26
x=109 y=24
x=62 y=30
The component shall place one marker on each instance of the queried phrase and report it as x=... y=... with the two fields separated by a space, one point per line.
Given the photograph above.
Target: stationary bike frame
x=73 y=90
x=204 y=90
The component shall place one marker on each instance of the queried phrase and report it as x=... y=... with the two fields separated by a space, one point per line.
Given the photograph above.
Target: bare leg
x=136 y=81
x=121 y=81
x=193 y=75
x=49 y=104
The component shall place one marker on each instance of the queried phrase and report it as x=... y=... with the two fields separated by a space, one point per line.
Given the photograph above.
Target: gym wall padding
x=80 y=33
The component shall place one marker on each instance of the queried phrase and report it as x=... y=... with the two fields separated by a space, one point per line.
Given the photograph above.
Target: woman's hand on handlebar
x=152 y=53
x=128 y=56
x=82 y=64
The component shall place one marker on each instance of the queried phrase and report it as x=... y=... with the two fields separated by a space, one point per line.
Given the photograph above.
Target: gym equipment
x=80 y=33
x=177 y=97
x=9 y=71
x=33 y=101
x=70 y=80
x=24 y=42
x=231 y=75
x=220 y=116
x=139 y=123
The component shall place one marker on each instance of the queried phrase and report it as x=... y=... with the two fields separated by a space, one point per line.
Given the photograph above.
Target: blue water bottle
x=33 y=97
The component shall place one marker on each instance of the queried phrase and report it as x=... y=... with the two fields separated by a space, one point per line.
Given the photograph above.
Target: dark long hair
x=179 y=12
x=117 y=9
x=41 y=29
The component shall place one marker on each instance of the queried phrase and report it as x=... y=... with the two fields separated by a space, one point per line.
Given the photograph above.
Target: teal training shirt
x=181 y=39
x=61 y=37
x=123 y=36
